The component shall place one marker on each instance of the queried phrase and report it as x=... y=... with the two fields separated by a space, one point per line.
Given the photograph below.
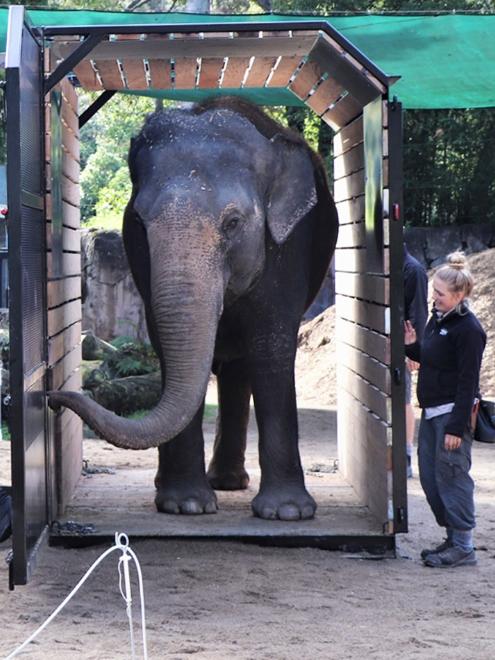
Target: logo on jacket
x=444 y=331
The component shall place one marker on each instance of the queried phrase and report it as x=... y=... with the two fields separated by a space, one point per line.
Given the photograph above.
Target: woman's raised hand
x=409 y=333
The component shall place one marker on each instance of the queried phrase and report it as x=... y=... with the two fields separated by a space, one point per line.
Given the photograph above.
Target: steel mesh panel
x=30 y=116
x=32 y=261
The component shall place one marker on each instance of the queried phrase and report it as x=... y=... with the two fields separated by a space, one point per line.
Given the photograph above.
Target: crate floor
x=123 y=501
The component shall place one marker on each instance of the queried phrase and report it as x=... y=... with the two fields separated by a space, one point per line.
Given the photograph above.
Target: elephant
x=229 y=232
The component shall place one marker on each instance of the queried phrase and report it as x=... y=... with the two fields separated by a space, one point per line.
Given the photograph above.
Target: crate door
x=31 y=453
x=393 y=151
x=369 y=300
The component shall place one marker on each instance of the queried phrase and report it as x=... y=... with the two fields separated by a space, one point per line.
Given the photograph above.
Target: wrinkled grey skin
x=229 y=232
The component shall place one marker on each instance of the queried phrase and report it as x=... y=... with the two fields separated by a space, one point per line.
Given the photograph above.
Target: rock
x=111 y=303
x=94 y=348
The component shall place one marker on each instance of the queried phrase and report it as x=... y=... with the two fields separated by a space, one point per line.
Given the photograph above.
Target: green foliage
x=107 y=137
x=131 y=359
x=449 y=167
x=5 y=431
x=322 y=7
x=112 y=199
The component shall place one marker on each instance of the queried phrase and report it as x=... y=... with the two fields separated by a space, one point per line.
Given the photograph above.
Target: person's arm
x=412 y=346
x=416 y=294
x=470 y=343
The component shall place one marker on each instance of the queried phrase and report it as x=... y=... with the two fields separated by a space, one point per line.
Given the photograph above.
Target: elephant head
x=214 y=189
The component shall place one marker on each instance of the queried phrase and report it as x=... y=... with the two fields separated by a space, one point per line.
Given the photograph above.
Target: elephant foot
x=186 y=500
x=284 y=504
x=236 y=479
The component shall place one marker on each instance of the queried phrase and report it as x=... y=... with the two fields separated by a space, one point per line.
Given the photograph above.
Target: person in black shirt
x=448 y=382
x=416 y=311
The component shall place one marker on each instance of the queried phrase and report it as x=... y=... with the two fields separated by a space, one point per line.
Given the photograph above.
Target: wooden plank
x=64 y=368
x=355 y=71
x=63 y=290
x=191 y=46
x=71 y=215
x=326 y=94
x=367 y=314
x=349 y=162
x=69 y=94
x=71 y=191
x=284 y=71
x=109 y=74
x=367 y=367
x=69 y=116
x=48 y=206
x=70 y=144
x=185 y=73
x=210 y=71
x=71 y=240
x=362 y=440
x=63 y=343
x=48 y=143
x=352 y=260
x=349 y=186
x=385 y=172
x=87 y=77
x=68 y=457
x=372 y=288
x=351 y=210
x=161 y=75
x=62 y=317
x=348 y=136
x=73 y=383
x=261 y=68
x=235 y=72
x=369 y=395
x=343 y=112
x=135 y=74
x=307 y=77
x=369 y=341
x=71 y=264
x=70 y=166
x=352 y=235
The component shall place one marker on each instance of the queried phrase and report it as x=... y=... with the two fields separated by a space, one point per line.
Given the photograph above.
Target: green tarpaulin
x=445 y=61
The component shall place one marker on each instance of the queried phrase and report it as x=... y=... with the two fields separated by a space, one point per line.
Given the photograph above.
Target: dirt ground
x=223 y=600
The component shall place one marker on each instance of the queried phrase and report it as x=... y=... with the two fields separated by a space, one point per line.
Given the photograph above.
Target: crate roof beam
x=78 y=53
x=313 y=62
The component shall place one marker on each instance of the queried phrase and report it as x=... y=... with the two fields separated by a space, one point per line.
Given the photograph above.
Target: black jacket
x=450 y=356
x=415 y=293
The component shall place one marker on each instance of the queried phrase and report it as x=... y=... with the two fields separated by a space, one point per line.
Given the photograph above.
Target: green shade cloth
x=445 y=61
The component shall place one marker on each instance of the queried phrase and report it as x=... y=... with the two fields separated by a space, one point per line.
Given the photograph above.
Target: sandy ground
x=222 y=600
x=232 y=600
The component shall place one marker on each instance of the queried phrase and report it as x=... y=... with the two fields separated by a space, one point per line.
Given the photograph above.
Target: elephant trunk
x=186 y=309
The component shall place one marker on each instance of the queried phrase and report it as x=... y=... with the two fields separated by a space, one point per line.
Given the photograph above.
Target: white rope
x=121 y=543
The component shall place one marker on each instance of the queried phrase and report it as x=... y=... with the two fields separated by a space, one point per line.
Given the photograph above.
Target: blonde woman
x=450 y=359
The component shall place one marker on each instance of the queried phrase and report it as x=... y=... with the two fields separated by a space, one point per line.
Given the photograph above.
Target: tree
x=107 y=137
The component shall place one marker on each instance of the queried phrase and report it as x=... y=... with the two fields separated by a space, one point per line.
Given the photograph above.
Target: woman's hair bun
x=457 y=260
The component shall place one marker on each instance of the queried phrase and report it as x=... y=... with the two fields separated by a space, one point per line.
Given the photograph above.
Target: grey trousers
x=444 y=475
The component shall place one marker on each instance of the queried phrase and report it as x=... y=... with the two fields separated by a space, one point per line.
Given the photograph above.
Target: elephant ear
x=293 y=192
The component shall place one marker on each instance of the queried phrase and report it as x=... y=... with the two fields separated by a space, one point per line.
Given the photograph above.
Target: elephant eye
x=230 y=224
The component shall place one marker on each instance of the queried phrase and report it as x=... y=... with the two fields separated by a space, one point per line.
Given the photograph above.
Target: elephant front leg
x=226 y=470
x=282 y=493
x=181 y=483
